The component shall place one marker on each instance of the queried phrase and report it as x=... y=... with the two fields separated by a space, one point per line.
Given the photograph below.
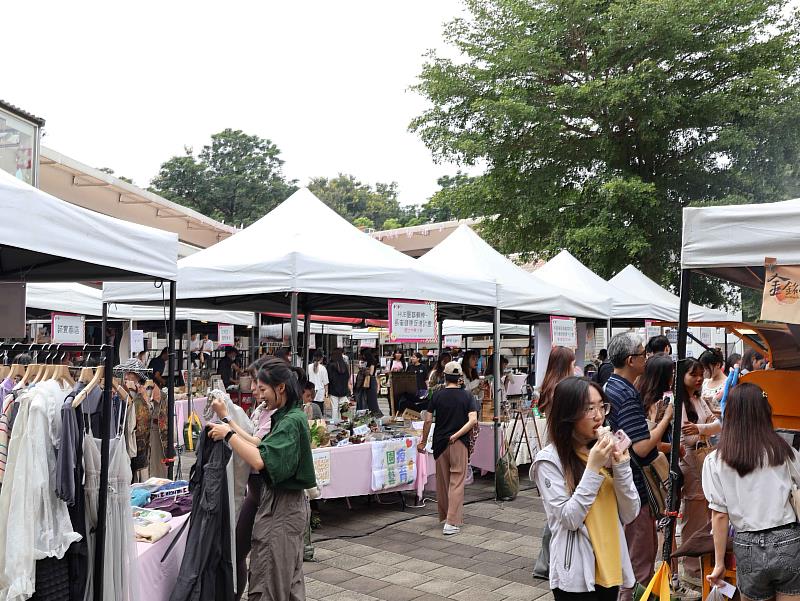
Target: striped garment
x=627 y=414
x=5 y=434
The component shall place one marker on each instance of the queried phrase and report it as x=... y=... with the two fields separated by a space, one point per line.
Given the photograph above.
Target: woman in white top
x=714 y=385
x=747 y=482
x=698 y=424
x=318 y=375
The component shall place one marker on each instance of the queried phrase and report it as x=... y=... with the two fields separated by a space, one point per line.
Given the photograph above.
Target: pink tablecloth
x=182 y=414
x=157 y=579
x=351 y=472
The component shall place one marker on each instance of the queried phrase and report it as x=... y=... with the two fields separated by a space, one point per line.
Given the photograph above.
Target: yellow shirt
x=602 y=522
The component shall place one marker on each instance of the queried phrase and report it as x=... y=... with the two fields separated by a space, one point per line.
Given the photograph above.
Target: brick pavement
x=379 y=552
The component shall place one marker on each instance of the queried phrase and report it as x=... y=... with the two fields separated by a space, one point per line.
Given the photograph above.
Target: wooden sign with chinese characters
x=781 y=299
x=67 y=329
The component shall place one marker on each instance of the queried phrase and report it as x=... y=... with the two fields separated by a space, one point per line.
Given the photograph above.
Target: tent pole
x=254 y=336
x=105 y=436
x=609 y=334
x=530 y=354
x=680 y=399
x=294 y=327
x=306 y=337
x=190 y=363
x=441 y=339
x=726 y=345
x=497 y=385
x=173 y=289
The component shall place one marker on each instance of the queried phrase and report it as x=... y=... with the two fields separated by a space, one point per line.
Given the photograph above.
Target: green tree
x=392 y=224
x=364 y=222
x=353 y=199
x=119 y=177
x=599 y=120
x=237 y=178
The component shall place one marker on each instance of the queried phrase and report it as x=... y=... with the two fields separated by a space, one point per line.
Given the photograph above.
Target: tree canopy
x=237 y=178
x=599 y=120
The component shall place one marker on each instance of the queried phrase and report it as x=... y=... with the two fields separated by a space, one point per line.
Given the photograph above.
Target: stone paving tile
x=375 y=570
x=476 y=594
x=349 y=596
x=363 y=584
x=420 y=566
x=427 y=554
x=515 y=590
x=407 y=579
x=318 y=590
x=346 y=562
x=397 y=593
x=332 y=575
x=465 y=563
x=445 y=588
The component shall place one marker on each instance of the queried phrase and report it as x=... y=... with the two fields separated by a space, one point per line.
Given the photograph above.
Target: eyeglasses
x=642 y=354
x=591 y=410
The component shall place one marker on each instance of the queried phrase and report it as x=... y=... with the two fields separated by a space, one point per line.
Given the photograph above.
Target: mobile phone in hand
x=621 y=441
x=667 y=400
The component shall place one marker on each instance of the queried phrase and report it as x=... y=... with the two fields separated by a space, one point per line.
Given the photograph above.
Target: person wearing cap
x=452 y=409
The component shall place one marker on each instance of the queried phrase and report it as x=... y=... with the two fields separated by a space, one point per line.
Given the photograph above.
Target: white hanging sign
x=67 y=329
x=564 y=331
x=137 y=341
x=412 y=321
x=650 y=330
x=368 y=343
x=452 y=341
x=225 y=335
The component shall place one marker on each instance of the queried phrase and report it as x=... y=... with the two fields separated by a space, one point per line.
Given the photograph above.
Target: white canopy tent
x=280 y=330
x=69 y=297
x=47 y=239
x=453 y=327
x=303 y=246
x=635 y=282
x=565 y=270
x=731 y=242
x=526 y=295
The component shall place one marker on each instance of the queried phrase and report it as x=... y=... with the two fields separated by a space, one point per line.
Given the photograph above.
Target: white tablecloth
x=157 y=578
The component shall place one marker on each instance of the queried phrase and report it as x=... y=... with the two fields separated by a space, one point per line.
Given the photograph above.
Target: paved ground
x=376 y=551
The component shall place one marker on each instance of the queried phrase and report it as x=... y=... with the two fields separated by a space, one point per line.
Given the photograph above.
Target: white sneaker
x=448 y=529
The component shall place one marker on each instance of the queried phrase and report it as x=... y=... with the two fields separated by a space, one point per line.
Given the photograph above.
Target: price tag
x=343 y=443
x=361 y=430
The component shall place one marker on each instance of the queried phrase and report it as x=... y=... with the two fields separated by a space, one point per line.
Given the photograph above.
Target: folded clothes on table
x=151 y=532
x=179 y=505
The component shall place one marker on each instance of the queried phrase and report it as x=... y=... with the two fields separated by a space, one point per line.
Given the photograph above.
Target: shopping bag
x=506 y=475
x=192 y=435
x=658 y=589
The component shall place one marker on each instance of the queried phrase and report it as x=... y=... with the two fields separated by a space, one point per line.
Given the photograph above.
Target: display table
x=351 y=472
x=182 y=414
x=483 y=455
x=157 y=578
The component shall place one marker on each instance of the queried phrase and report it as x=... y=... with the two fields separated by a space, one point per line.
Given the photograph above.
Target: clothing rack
x=107 y=352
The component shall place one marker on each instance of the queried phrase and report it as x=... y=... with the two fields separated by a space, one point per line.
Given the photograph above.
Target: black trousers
x=600 y=594
x=244 y=530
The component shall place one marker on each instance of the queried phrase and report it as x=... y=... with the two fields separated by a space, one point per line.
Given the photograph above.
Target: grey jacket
x=572 y=560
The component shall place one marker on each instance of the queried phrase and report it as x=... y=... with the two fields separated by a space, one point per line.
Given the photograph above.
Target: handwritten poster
x=564 y=332
x=394 y=463
x=68 y=329
x=225 y=335
x=322 y=467
x=452 y=341
x=781 y=298
x=412 y=321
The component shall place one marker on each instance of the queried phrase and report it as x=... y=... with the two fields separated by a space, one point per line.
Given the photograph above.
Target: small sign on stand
x=564 y=332
x=225 y=335
x=137 y=341
x=67 y=329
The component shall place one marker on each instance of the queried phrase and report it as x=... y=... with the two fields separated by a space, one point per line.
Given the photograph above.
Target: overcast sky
x=127 y=85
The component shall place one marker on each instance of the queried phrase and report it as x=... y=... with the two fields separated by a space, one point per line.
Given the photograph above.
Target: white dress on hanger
x=38 y=523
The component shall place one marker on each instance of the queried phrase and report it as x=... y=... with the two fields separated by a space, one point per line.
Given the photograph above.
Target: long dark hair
x=338 y=362
x=367 y=356
x=558 y=368
x=440 y=363
x=570 y=398
x=733 y=359
x=692 y=365
x=276 y=371
x=402 y=359
x=749 y=359
x=470 y=373
x=748 y=439
x=658 y=377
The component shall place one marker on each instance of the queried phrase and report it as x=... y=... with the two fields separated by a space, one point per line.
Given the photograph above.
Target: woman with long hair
x=436 y=379
x=587 y=504
x=339 y=387
x=752 y=360
x=698 y=425
x=733 y=360
x=397 y=362
x=370 y=382
x=283 y=458
x=747 y=482
x=317 y=374
x=472 y=380
x=560 y=365
x=657 y=380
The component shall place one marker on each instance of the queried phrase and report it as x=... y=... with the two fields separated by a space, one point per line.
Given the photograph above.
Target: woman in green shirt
x=285 y=461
